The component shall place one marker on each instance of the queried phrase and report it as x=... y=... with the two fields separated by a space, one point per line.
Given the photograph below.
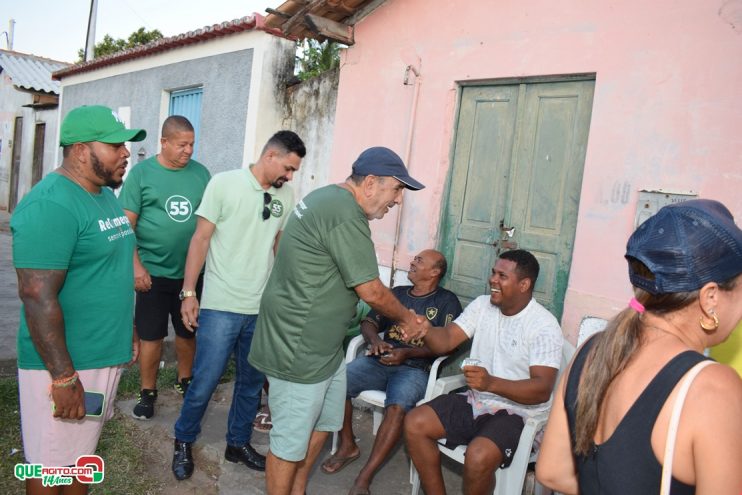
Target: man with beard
x=240 y=220
x=159 y=197
x=72 y=250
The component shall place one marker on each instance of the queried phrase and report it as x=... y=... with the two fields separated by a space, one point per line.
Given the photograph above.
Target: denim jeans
x=404 y=385
x=221 y=333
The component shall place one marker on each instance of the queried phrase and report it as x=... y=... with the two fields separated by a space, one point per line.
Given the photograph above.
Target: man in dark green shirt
x=325 y=262
x=72 y=251
x=159 y=197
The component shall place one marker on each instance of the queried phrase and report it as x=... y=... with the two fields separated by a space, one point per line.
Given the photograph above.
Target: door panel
x=37 y=166
x=15 y=165
x=485 y=132
x=187 y=102
x=516 y=178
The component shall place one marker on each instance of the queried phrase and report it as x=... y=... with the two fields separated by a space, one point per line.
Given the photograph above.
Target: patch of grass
x=229 y=372
x=129 y=383
x=10 y=436
x=122 y=447
x=166 y=378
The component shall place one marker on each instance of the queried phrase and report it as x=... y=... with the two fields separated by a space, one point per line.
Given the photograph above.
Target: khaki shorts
x=59 y=442
x=298 y=409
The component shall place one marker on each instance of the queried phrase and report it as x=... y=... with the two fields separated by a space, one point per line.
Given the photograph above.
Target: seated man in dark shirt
x=401 y=368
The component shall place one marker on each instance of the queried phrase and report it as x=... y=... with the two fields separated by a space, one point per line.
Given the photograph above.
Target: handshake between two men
x=476 y=375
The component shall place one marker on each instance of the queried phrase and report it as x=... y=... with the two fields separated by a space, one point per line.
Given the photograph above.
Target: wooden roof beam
x=298 y=17
x=330 y=29
x=278 y=13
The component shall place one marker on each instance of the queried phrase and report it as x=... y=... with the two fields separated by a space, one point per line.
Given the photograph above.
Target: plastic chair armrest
x=447 y=384
x=356 y=346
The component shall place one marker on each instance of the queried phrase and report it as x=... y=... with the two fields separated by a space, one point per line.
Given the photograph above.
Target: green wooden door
x=515 y=182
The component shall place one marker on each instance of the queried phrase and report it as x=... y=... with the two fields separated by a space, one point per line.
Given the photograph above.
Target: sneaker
x=145 y=407
x=182 y=386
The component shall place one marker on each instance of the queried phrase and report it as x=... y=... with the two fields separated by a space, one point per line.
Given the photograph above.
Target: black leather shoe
x=182 y=460
x=246 y=455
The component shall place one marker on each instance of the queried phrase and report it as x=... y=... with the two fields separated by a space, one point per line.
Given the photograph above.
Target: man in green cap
x=72 y=250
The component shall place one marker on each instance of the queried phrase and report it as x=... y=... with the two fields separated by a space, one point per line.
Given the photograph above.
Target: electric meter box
x=650 y=201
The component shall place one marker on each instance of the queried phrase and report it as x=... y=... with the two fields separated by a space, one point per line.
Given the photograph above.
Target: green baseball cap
x=96 y=123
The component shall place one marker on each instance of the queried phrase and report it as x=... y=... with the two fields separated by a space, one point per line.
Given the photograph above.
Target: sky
x=57 y=29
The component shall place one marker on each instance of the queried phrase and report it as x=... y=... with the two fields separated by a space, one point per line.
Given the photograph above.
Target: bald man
x=159 y=197
x=401 y=368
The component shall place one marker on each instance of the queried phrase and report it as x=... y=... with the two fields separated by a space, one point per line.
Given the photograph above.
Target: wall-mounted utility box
x=650 y=201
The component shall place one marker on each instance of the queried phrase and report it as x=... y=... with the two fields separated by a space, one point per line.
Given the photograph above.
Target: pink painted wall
x=667 y=111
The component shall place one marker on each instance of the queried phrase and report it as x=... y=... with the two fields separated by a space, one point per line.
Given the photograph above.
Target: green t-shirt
x=165 y=200
x=241 y=249
x=309 y=302
x=60 y=226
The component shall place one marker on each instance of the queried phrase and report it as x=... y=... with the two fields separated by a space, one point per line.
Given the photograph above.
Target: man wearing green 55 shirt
x=159 y=197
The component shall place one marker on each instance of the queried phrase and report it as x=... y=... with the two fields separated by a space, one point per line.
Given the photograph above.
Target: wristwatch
x=186 y=293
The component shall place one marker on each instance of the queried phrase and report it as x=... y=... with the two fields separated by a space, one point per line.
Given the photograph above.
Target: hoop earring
x=710 y=328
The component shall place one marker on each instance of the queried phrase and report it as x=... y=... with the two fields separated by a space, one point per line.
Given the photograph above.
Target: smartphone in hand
x=94 y=402
x=470 y=361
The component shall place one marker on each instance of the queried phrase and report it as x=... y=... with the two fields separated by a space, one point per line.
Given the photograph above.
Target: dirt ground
x=156 y=441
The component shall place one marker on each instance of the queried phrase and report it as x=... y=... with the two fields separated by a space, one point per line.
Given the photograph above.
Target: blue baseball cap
x=685 y=246
x=383 y=162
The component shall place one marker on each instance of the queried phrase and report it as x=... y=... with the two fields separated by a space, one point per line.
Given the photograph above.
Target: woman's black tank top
x=625 y=464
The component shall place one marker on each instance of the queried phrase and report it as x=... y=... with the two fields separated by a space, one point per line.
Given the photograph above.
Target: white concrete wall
x=242 y=75
x=311 y=114
x=11 y=106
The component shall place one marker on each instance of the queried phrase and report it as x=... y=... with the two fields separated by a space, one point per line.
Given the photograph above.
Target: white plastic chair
x=376 y=398
x=508 y=481
x=589 y=326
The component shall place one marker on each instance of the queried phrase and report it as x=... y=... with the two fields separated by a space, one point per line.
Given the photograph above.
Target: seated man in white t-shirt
x=519 y=346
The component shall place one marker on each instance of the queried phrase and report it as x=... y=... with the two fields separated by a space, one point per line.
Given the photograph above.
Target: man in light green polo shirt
x=240 y=219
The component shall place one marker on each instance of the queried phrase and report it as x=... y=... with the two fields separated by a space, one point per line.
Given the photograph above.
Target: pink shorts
x=59 y=442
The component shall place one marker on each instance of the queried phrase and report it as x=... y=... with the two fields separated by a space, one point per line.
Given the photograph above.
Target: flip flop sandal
x=262 y=422
x=340 y=461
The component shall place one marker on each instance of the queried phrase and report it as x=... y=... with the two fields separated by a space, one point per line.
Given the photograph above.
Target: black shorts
x=154 y=306
x=457 y=418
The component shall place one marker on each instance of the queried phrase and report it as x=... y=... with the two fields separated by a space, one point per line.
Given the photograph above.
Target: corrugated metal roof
x=31 y=72
x=246 y=23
